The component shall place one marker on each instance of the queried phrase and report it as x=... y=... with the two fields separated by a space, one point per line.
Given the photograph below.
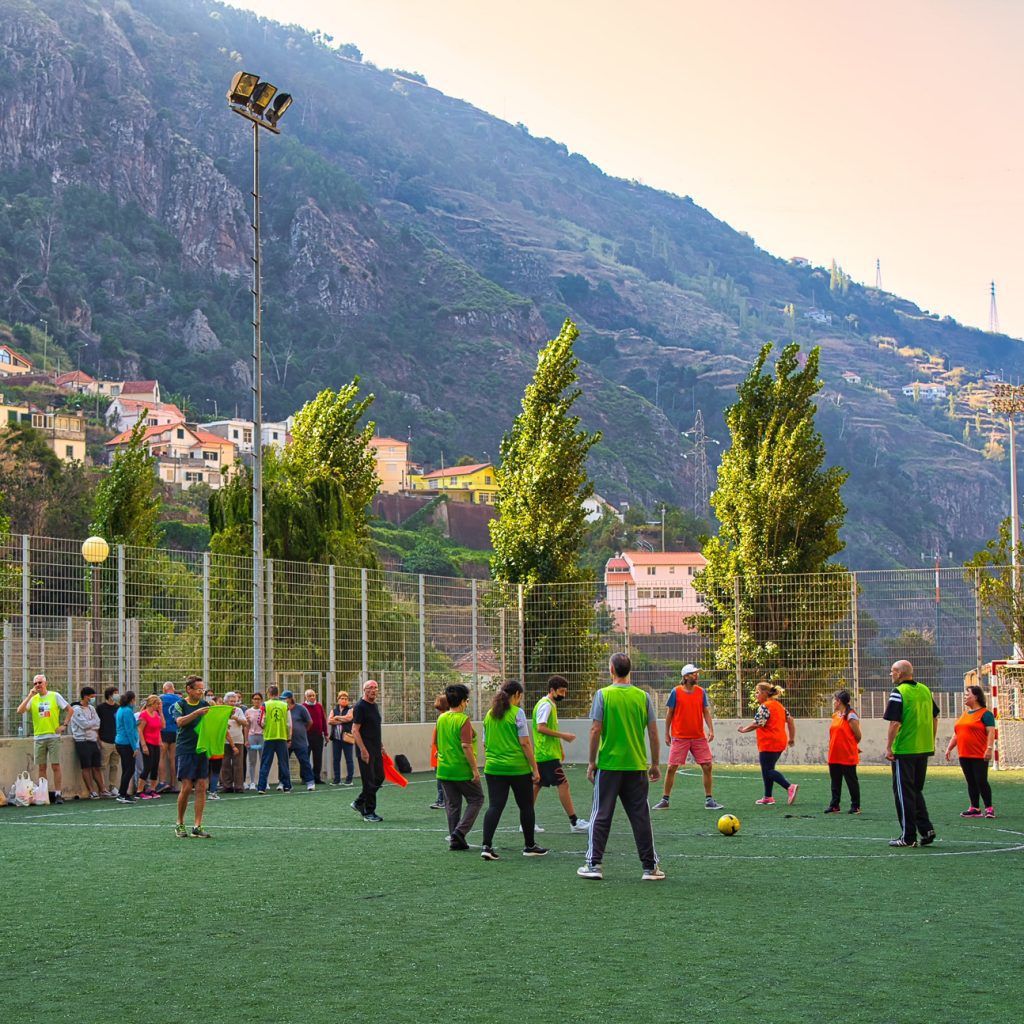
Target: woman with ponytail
x=844 y=752
x=775 y=731
x=509 y=766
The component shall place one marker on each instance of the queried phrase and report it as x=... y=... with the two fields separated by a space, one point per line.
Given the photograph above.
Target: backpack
x=402 y=764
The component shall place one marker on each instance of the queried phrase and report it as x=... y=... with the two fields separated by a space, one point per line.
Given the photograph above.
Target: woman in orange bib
x=776 y=730
x=844 y=752
x=974 y=736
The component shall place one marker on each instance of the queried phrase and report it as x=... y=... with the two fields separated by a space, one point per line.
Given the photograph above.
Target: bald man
x=913 y=718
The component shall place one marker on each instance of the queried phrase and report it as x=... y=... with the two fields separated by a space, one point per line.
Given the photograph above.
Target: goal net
x=1006 y=679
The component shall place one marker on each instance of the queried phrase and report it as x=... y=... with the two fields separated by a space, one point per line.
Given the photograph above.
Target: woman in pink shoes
x=776 y=731
x=973 y=736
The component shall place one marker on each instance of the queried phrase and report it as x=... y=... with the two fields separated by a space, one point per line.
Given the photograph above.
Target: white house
x=653 y=591
x=596 y=507
x=850 y=377
x=240 y=433
x=185 y=455
x=123 y=413
x=925 y=391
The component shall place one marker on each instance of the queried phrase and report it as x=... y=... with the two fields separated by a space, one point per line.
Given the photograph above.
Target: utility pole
x=993 y=312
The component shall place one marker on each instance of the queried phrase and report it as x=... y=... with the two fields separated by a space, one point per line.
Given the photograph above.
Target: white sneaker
x=310 y=787
x=590 y=871
x=654 y=874
x=536 y=828
x=582 y=825
x=213 y=796
x=280 y=788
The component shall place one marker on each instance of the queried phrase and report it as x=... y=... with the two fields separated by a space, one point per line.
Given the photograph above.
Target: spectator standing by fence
x=232 y=772
x=84 y=727
x=342 y=742
x=46 y=706
x=254 y=739
x=127 y=739
x=317 y=734
x=151 y=722
x=110 y=767
x=168 y=740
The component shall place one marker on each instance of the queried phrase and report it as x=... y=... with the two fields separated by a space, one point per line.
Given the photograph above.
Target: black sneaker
x=487 y=853
x=198 y=832
x=928 y=838
x=372 y=817
x=901 y=842
x=534 y=851
x=830 y=810
x=853 y=810
x=58 y=799
x=436 y=806
x=457 y=843
x=355 y=807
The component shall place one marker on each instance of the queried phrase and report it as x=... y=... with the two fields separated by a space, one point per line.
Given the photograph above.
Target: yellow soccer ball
x=728 y=824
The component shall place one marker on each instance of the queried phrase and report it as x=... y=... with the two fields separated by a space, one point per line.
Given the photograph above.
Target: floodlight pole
x=259 y=644
x=1009 y=399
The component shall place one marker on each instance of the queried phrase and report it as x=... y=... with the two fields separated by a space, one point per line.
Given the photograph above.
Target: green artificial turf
x=298 y=911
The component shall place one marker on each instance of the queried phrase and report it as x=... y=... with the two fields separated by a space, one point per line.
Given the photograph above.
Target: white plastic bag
x=22 y=790
x=41 y=793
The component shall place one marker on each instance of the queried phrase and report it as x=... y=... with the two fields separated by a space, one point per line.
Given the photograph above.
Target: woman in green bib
x=509 y=766
x=457 y=770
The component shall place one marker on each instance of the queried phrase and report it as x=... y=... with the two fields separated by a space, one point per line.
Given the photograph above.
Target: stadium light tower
x=263 y=106
x=1009 y=400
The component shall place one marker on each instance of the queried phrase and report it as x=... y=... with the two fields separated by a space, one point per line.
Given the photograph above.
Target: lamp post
x=263 y=106
x=95 y=551
x=1009 y=399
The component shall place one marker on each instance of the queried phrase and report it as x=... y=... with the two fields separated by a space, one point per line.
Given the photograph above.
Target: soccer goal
x=1006 y=681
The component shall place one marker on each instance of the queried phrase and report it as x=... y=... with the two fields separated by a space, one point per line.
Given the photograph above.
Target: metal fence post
x=268 y=629
x=69 y=647
x=365 y=630
x=855 y=646
x=120 y=619
x=423 y=652
x=206 y=616
x=332 y=648
x=26 y=578
x=473 y=646
x=522 y=635
x=737 y=620
x=8 y=654
x=979 y=648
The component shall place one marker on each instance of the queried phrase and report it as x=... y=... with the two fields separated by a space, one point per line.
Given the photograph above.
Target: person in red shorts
x=688 y=713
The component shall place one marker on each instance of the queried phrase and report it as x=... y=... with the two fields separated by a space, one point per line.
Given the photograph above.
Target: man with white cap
x=687 y=714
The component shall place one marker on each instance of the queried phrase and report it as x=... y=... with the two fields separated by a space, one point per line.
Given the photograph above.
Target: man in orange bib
x=687 y=714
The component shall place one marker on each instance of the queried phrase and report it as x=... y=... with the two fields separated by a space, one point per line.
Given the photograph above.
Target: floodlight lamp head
x=261 y=97
x=282 y=101
x=243 y=85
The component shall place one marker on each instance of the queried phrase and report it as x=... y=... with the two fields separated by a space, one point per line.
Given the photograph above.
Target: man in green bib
x=619 y=768
x=46 y=706
x=913 y=718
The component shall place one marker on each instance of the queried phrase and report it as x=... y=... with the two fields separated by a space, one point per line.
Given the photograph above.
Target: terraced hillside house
x=185 y=455
x=477 y=484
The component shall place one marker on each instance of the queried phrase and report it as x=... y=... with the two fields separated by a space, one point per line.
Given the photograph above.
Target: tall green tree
x=780 y=512
x=992 y=566
x=538 y=535
x=328 y=442
x=126 y=508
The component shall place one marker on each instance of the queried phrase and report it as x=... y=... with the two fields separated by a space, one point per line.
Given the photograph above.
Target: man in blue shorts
x=193 y=768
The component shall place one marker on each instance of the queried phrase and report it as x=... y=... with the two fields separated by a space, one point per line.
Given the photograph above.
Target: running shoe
x=591 y=871
x=436 y=806
x=58 y=799
x=372 y=817
x=830 y=810
x=310 y=787
x=928 y=838
x=198 y=832
x=582 y=825
x=487 y=853
x=765 y=801
x=791 y=793
x=125 y=799
x=146 y=796
x=456 y=843
x=899 y=841
x=661 y=805
x=355 y=807
x=853 y=810
x=534 y=851
x=536 y=828
x=180 y=832
x=161 y=786
x=654 y=874
x=990 y=812
x=711 y=804
x=971 y=812
x=94 y=796
x=213 y=796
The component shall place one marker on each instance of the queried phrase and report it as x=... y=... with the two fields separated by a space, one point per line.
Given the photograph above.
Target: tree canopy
x=126 y=508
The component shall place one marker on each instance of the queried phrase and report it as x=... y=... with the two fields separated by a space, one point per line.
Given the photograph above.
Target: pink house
x=653 y=591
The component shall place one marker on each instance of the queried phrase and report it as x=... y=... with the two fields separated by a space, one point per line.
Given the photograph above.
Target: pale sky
x=885 y=129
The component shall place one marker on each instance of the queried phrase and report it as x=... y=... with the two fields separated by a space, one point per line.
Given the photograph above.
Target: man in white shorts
x=686 y=716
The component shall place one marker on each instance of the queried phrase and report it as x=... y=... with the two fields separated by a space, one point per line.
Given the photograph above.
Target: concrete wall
x=730 y=747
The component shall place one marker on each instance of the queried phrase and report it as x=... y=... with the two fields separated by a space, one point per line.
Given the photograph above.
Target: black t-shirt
x=367 y=717
x=108 y=725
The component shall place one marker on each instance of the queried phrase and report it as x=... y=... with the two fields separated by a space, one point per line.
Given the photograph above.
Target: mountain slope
x=431 y=248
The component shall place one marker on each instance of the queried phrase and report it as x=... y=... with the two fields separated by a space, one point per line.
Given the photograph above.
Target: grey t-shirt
x=301 y=721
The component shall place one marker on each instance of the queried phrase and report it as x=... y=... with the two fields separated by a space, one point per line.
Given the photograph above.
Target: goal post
x=1006 y=684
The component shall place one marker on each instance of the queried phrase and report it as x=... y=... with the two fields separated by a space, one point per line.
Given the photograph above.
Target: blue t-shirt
x=168 y=700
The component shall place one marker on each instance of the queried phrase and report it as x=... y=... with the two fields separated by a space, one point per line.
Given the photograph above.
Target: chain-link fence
x=143 y=617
